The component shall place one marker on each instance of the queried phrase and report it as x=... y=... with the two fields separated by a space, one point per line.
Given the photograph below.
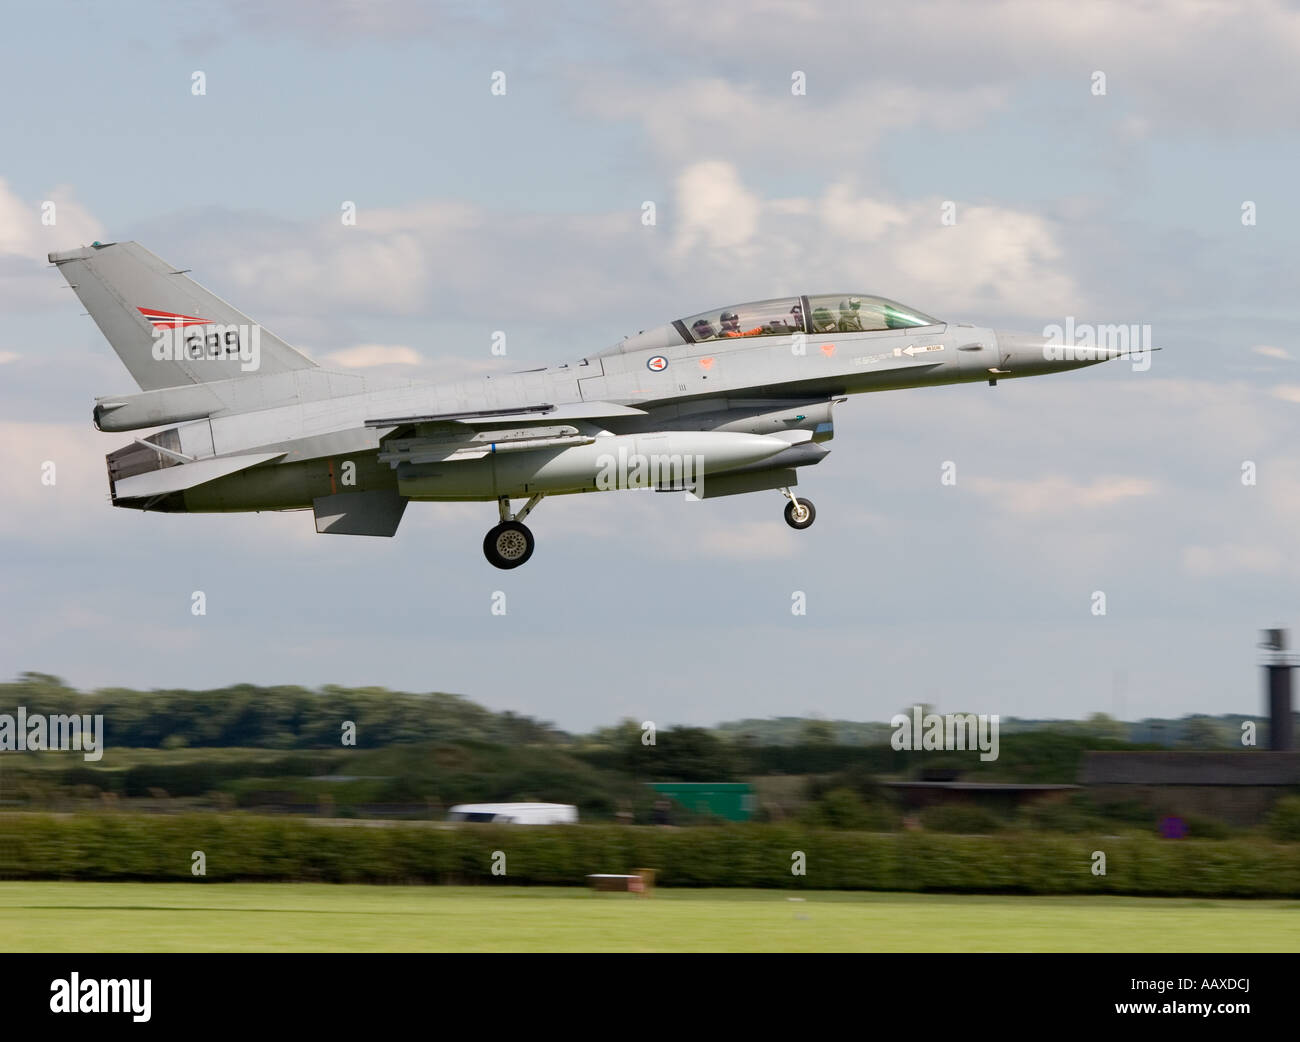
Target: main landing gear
x=799 y=513
x=510 y=544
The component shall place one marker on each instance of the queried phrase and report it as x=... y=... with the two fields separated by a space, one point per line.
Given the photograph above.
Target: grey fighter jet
x=729 y=401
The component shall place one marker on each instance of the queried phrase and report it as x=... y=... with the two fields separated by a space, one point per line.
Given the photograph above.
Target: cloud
x=26 y=229
x=1227 y=559
x=368 y=272
x=365 y=355
x=993 y=257
x=858 y=218
x=1210 y=64
x=872 y=69
x=333 y=21
x=467 y=270
x=1272 y=352
x=714 y=209
x=36 y=509
x=1057 y=494
x=1287 y=392
x=767 y=540
x=25 y=239
x=685 y=118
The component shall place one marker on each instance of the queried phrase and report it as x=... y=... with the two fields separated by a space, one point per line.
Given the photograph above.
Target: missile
x=717 y=450
x=654 y=459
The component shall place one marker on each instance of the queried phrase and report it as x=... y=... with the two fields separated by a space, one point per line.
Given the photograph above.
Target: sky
x=1108 y=162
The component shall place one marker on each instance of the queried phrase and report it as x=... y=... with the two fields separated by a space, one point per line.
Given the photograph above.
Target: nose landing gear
x=799 y=513
x=511 y=543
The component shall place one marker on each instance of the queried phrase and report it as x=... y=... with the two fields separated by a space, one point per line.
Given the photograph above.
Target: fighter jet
x=728 y=401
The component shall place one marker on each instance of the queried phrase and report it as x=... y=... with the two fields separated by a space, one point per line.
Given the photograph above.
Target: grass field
x=112 y=917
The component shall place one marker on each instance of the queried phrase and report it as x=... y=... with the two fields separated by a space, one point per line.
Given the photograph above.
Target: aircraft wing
x=524 y=415
x=443 y=437
x=185 y=475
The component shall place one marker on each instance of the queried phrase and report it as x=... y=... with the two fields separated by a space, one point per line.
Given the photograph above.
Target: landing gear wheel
x=508 y=545
x=801 y=514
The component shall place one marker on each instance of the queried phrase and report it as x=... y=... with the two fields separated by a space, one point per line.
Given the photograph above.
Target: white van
x=516 y=813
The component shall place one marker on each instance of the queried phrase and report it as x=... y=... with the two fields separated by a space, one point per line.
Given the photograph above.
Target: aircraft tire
x=508 y=545
x=808 y=514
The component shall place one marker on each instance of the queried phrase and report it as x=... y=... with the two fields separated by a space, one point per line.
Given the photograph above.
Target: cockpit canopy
x=784 y=316
x=840 y=313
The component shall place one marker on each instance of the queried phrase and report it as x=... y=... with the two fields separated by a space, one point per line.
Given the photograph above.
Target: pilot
x=731 y=325
x=702 y=329
x=851 y=315
x=823 y=321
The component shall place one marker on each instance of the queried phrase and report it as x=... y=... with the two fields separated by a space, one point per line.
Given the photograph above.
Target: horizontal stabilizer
x=186 y=475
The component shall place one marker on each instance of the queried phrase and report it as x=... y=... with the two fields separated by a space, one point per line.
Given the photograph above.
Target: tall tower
x=1278 y=663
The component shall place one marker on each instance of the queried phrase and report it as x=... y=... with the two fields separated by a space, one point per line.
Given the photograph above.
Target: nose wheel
x=511 y=543
x=799 y=513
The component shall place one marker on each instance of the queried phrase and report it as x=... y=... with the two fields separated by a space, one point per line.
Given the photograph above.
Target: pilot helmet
x=855 y=303
x=729 y=317
x=701 y=328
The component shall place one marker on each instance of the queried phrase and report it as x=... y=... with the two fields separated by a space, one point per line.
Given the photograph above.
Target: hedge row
x=244 y=847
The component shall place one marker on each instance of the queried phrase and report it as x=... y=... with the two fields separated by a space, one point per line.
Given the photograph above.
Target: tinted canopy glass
x=846 y=313
x=761 y=318
x=838 y=313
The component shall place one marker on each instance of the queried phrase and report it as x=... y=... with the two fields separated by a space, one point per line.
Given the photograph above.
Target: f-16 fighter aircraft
x=732 y=400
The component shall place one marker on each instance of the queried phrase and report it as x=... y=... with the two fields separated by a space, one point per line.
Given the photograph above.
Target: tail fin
x=168 y=330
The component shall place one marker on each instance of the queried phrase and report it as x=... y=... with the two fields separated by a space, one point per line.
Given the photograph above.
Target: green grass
x=112 y=917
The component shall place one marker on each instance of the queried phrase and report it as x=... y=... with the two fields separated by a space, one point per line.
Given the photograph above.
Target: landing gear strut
x=510 y=544
x=799 y=513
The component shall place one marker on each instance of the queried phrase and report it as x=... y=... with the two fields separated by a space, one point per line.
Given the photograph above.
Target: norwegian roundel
x=657 y=364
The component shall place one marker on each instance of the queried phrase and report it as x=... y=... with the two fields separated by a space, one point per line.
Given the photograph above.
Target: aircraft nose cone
x=1023 y=353
x=1028 y=353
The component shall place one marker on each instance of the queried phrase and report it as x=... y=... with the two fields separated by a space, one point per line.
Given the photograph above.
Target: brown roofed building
x=1238 y=787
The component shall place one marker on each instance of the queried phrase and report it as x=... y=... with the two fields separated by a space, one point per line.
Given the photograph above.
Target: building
x=733 y=801
x=1002 y=798
x=1238 y=787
